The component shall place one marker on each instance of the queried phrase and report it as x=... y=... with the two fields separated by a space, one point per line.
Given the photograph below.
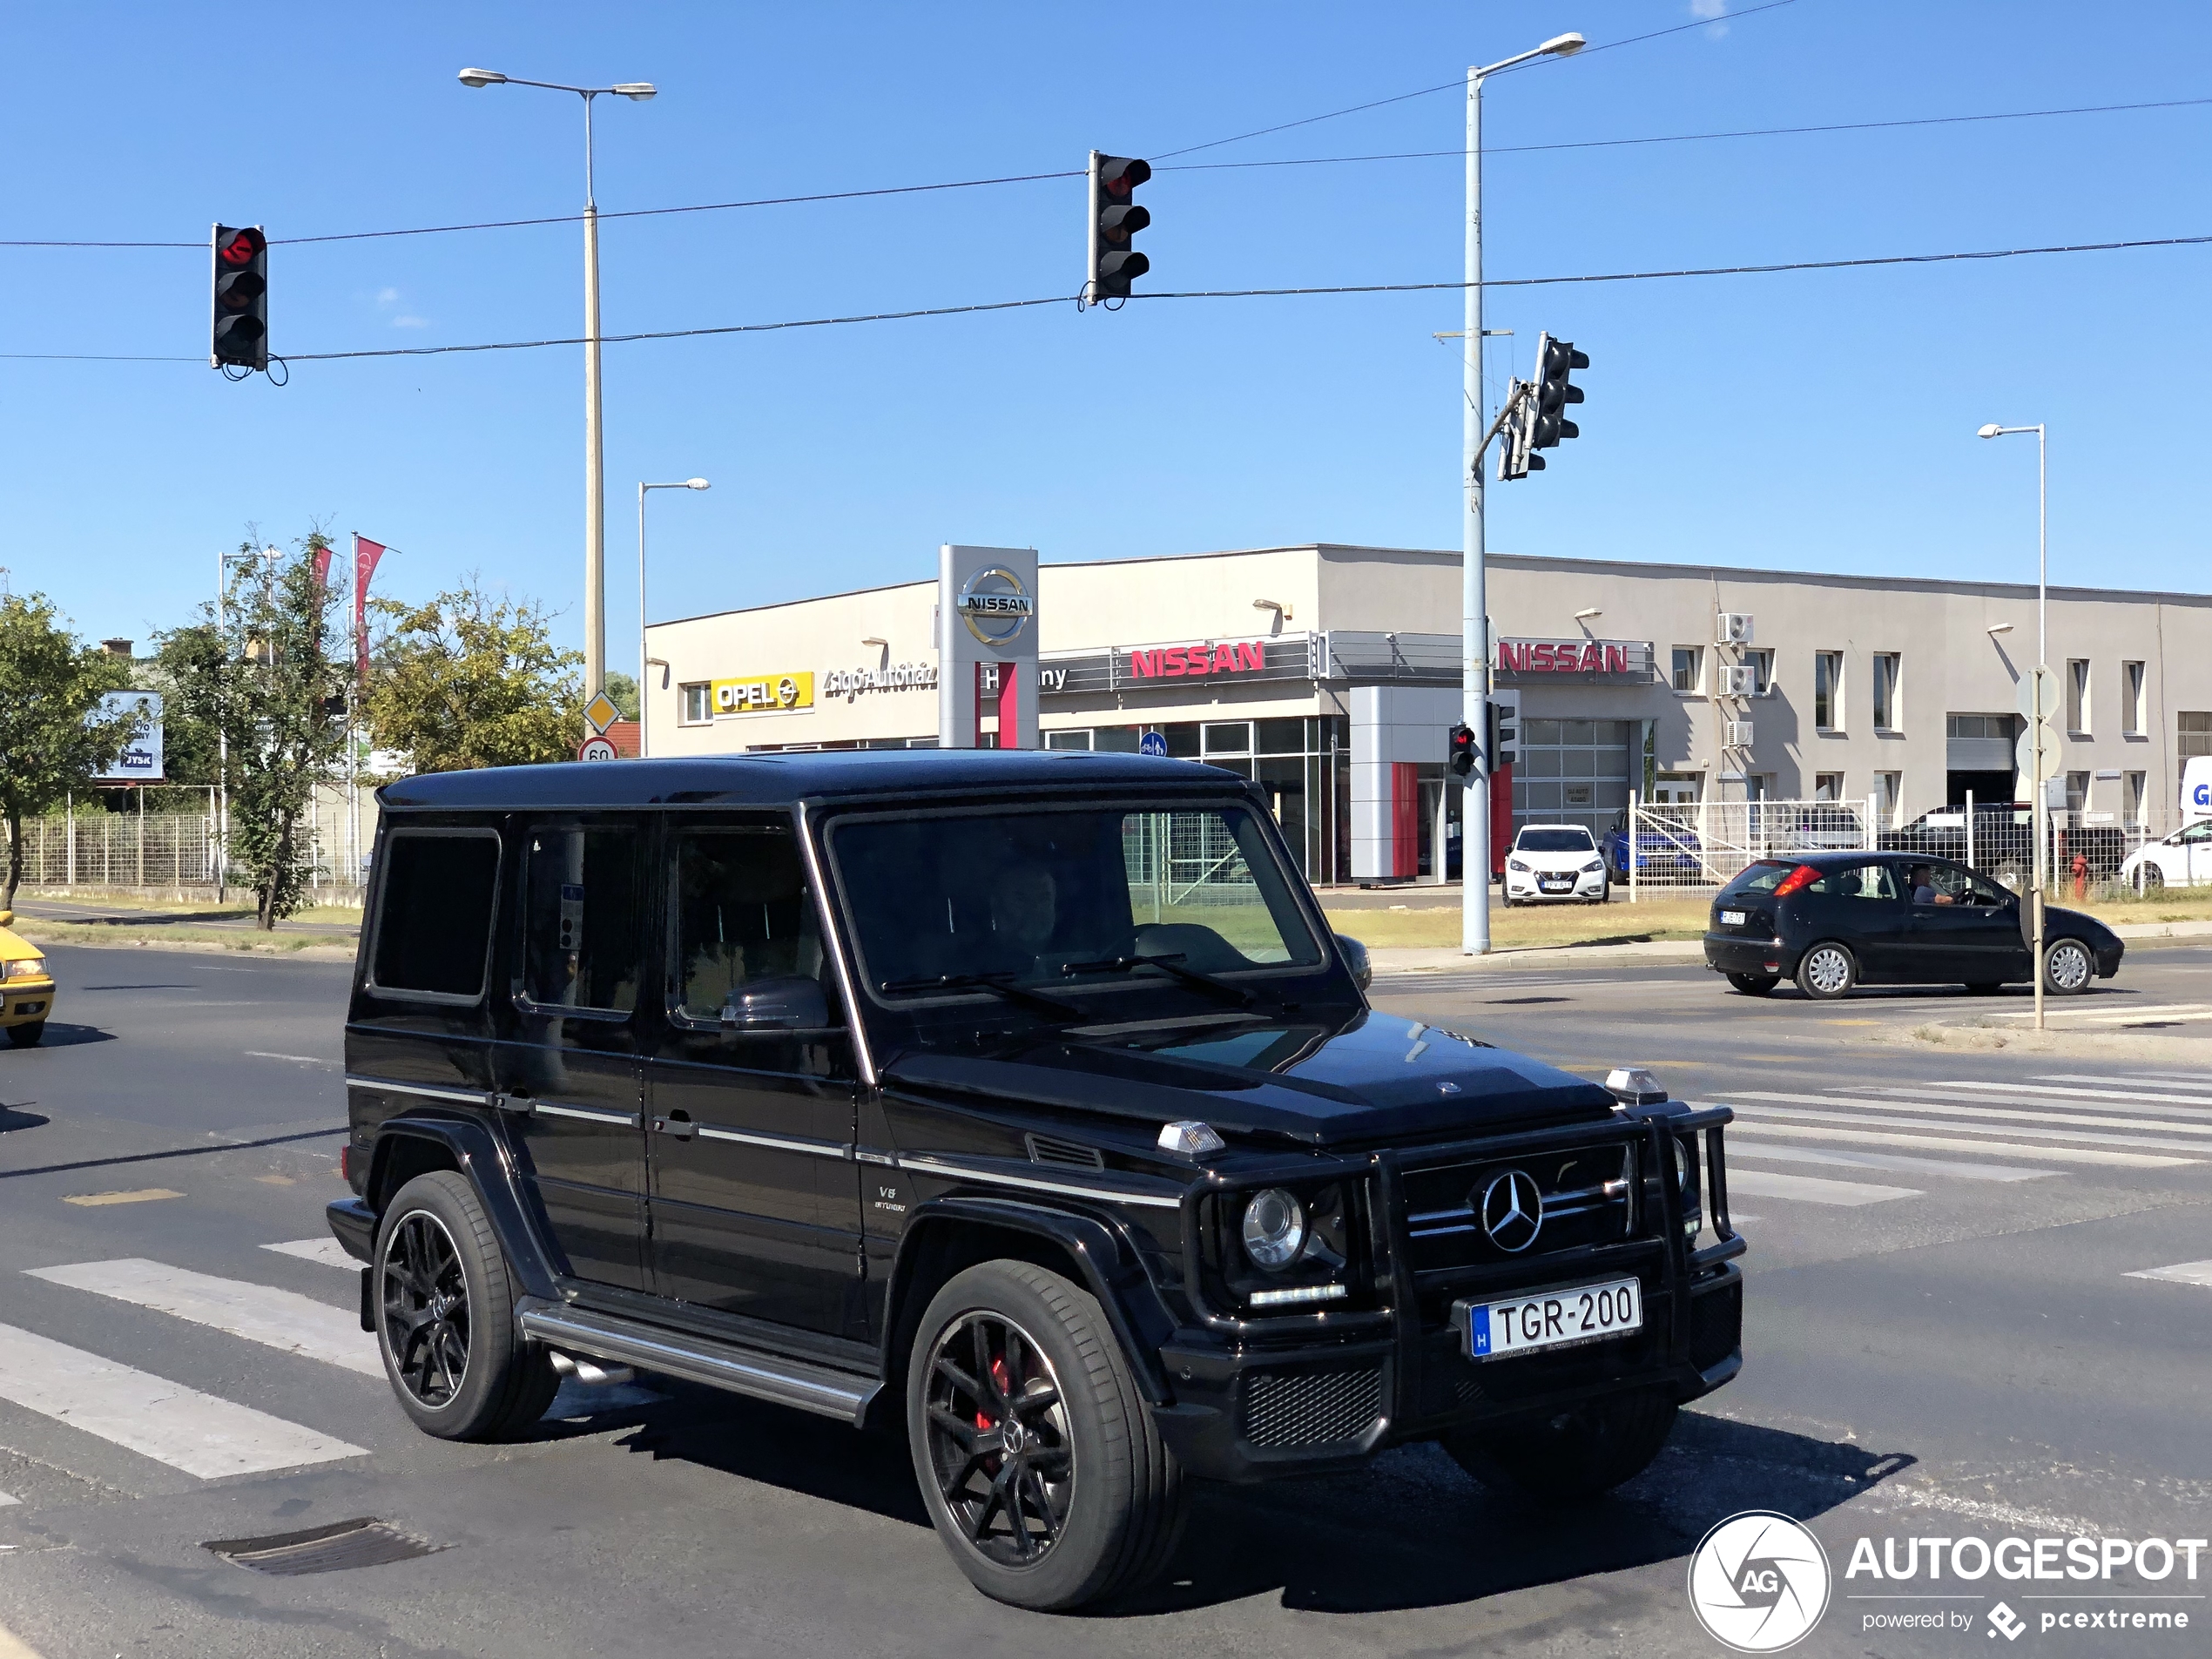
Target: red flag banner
x=322 y=568
x=366 y=554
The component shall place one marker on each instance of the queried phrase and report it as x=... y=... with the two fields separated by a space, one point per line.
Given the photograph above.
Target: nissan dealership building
x=1331 y=675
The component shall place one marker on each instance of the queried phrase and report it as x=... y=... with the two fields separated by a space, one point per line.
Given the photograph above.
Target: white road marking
x=1824 y=1131
x=1882 y=1161
x=305 y=1059
x=2070 y=1110
x=1814 y=1106
x=2181 y=1273
x=2168 y=1081
x=2167 y=1098
x=150 y=1415
x=2010 y=1112
x=1765 y=1183
x=326 y=1251
x=7 y=1498
x=260 y=1313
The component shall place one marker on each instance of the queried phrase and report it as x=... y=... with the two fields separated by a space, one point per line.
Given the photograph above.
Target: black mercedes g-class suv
x=1020 y=1103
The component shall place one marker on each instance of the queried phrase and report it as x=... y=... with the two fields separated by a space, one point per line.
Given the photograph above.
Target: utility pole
x=1474 y=614
x=595 y=458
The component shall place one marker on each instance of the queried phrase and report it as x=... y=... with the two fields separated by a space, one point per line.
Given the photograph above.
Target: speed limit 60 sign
x=596 y=748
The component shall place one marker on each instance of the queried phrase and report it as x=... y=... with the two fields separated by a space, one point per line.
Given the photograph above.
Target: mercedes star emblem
x=1513 y=1210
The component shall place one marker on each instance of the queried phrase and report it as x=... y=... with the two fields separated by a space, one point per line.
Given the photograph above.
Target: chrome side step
x=820 y=1389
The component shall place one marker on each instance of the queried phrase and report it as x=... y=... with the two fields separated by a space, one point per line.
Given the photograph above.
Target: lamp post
x=2039 y=811
x=645 y=662
x=595 y=493
x=1474 y=834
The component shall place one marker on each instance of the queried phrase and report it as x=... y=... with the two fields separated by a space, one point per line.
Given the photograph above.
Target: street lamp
x=595 y=493
x=1474 y=649
x=645 y=662
x=2040 y=810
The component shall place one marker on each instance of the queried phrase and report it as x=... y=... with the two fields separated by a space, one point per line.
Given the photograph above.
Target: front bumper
x=1527 y=886
x=24 y=1001
x=1738 y=954
x=1249 y=1408
x=2109 y=958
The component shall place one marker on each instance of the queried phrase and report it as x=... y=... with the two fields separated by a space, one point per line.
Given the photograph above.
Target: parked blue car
x=1658 y=851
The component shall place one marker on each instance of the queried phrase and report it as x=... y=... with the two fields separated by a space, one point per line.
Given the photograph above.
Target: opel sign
x=995 y=606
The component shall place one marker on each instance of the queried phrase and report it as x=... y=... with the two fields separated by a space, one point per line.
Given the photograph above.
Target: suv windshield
x=1061 y=897
x=1555 y=840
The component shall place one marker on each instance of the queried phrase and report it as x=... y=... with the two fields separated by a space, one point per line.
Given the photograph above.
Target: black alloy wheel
x=1828 y=971
x=445 y=1317
x=1755 y=984
x=2149 y=878
x=2068 y=967
x=423 y=1293
x=999 y=1438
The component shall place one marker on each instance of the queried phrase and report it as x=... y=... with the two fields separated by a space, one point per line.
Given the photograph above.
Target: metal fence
x=171 y=852
x=1707 y=843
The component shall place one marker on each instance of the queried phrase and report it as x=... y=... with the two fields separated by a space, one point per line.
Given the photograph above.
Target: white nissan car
x=1555 y=861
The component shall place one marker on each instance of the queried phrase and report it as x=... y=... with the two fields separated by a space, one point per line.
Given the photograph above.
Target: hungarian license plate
x=1551 y=1320
x=1557 y=885
x=1732 y=918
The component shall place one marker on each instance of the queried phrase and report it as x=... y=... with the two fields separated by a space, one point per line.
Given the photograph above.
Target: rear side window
x=433 y=919
x=580 y=917
x=1762 y=877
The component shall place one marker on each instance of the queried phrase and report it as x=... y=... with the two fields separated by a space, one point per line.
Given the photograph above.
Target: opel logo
x=995 y=606
x=1513 y=1210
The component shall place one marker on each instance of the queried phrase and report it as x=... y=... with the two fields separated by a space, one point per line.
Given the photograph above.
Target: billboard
x=141 y=761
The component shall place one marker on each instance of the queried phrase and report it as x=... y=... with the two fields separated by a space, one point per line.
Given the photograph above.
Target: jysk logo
x=1759 y=1582
x=1513 y=1212
x=995 y=606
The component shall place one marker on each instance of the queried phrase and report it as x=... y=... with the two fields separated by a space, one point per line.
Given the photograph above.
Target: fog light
x=1299 y=1293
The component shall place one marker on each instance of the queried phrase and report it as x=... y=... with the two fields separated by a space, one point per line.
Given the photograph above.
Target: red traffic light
x=1119 y=175
x=241 y=248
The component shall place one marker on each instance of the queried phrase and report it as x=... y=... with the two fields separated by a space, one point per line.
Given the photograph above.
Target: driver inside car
x=1923 y=887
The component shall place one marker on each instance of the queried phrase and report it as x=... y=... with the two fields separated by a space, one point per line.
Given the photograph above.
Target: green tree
x=259 y=673
x=53 y=737
x=468 y=679
x=622 y=692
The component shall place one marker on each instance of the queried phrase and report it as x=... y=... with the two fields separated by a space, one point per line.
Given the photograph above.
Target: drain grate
x=364 y=1543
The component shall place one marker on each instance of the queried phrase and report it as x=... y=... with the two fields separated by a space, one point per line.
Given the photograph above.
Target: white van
x=2196 y=789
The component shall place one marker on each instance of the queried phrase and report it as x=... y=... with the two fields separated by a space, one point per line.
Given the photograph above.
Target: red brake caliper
x=1004 y=1380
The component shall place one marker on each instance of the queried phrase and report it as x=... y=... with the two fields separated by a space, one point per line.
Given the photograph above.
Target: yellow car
x=26 y=988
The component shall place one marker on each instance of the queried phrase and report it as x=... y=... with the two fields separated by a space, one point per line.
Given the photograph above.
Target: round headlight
x=1274 y=1229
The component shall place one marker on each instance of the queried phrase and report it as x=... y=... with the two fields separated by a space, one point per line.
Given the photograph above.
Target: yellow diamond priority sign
x=601 y=712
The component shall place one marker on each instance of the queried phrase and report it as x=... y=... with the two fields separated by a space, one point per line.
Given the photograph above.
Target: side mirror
x=1356 y=961
x=792 y=1004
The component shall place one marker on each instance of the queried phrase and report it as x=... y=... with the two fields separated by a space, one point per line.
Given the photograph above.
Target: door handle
x=676 y=1123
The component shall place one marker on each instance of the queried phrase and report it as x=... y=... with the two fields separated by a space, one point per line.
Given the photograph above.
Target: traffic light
x=1504 y=747
x=1555 y=361
x=242 y=326
x=1462 y=757
x=1115 y=217
x=1516 y=452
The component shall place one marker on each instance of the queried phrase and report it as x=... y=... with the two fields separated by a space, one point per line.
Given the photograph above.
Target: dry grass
x=2187 y=904
x=40 y=932
x=1532 y=924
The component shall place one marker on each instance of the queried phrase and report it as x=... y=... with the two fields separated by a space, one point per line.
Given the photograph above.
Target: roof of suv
x=786 y=776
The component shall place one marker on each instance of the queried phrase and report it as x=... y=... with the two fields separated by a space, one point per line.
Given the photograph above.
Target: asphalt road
x=1945 y=1337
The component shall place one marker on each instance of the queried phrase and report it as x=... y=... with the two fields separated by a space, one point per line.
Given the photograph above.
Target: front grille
x=1588 y=1194
x=1288 y=1409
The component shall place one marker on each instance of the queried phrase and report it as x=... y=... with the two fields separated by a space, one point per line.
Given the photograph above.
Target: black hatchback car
x=1021 y=1104
x=1833 y=920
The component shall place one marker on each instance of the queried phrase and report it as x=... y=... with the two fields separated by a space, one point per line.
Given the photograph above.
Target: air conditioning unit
x=1739 y=682
x=1739 y=734
x=1734 y=628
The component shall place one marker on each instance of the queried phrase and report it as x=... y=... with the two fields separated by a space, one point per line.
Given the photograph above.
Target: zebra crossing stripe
x=2166 y=1097
x=2024 y=1112
x=164 y=1420
x=1828 y=1129
x=2166 y=1081
x=1766 y=1184
x=260 y=1313
x=327 y=1251
x=2181 y=1273
x=1882 y=1161
x=1877 y=1113
x=2071 y=1109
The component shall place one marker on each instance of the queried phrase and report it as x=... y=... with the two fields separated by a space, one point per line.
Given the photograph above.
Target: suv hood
x=1373 y=1077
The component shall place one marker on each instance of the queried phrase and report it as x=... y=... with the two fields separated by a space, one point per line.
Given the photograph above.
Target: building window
x=1889 y=792
x=2133 y=687
x=1067 y=739
x=2077 y=694
x=1828 y=786
x=1828 y=690
x=697 y=703
x=2131 y=796
x=2192 y=735
x=1689 y=669
x=1761 y=663
x=2077 y=792
x=1888 y=670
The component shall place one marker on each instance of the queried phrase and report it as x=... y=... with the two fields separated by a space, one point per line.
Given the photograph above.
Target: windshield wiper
x=1173 y=967
x=999 y=984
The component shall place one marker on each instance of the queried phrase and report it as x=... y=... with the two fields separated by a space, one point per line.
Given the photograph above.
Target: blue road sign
x=1152 y=743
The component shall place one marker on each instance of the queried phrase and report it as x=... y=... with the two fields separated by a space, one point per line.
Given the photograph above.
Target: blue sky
x=1820 y=421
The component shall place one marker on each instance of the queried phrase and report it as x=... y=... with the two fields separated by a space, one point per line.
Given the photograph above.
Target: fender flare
x=490 y=1171
x=1111 y=1269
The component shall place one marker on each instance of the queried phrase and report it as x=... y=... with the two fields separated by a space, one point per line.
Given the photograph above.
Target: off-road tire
x=1571 y=1457
x=1755 y=984
x=1124 y=1512
x=26 y=1036
x=1817 y=974
x=506 y=1382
